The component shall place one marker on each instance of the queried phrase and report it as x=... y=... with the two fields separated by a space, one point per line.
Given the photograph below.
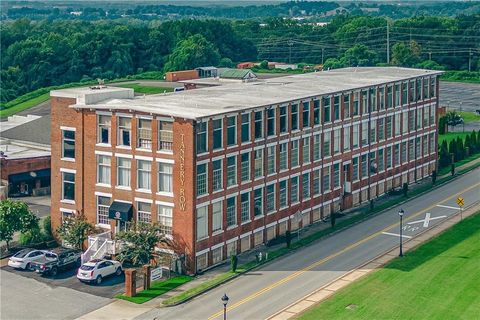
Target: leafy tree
x=405 y=189
x=75 y=230
x=452 y=148
x=226 y=63
x=15 y=216
x=453 y=119
x=233 y=262
x=406 y=55
x=444 y=156
x=430 y=64
x=288 y=238
x=460 y=150
x=264 y=64
x=359 y=55
x=467 y=146
x=139 y=242
x=442 y=121
x=193 y=52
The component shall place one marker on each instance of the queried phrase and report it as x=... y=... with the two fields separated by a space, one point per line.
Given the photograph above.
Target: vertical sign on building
x=182 y=172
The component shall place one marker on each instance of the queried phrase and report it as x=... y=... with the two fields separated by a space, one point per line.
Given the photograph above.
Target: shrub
x=288 y=238
x=32 y=236
x=405 y=189
x=233 y=262
x=47 y=227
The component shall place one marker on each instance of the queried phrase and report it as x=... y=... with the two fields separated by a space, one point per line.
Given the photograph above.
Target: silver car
x=95 y=271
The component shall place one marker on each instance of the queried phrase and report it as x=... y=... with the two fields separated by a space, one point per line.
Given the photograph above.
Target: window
x=417 y=148
x=103 y=205
x=144 y=211
x=431 y=142
x=418 y=123
x=231 y=212
x=201 y=137
x=271 y=160
x=294 y=117
x=355 y=104
x=381 y=160
x=270 y=122
x=283 y=119
x=326 y=179
x=217 y=175
x=397 y=124
x=396 y=157
x=245 y=127
x=373 y=131
x=202 y=222
x=103 y=129
x=245 y=207
x=404 y=152
x=364 y=134
x=103 y=169
x=306 y=114
x=165 y=136
x=389 y=157
x=305 y=186
x=411 y=145
x=165 y=219
x=306 y=150
x=346 y=139
x=373 y=99
x=258 y=163
x=165 y=177
x=336 y=140
x=245 y=158
x=373 y=163
x=231 y=130
x=356 y=135
x=258 y=124
x=124 y=166
x=68 y=144
x=326 y=109
x=294 y=190
x=283 y=154
x=144 y=169
x=418 y=90
x=270 y=198
x=389 y=96
x=364 y=166
x=411 y=91
x=433 y=87
x=397 y=95
x=381 y=129
x=426 y=92
x=355 y=169
x=144 y=134
x=217 y=216
x=336 y=108
x=124 y=131
x=336 y=175
x=346 y=106
x=68 y=189
x=405 y=120
x=365 y=108
x=316 y=182
x=404 y=93
x=316 y=112
x=425 y=145
x=426 y=116
x=231 y=171
x=432 y=114
x=381 y=97
x=283 y=193
x=294 y=153
x=201 y=179
x=217 y=255
x=389 y=127
x=411 y=120
x=217 y=133
x=316 y=147
x=326 y=144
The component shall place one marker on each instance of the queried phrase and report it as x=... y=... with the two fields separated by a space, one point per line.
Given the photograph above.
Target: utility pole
x=470 y=60
x=322 y=54
x=430 y=55
x=388 y=43
x=290 y=44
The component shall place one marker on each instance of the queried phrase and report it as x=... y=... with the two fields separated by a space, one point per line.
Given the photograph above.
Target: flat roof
x=210 y=101
x=22 y=150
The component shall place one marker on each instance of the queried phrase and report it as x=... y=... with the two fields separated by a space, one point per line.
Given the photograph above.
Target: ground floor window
x=144 y=211
x=231 y=248
x=202 y=261
x=217 y=255
x=258 y=238
x=245 y=244
x=103 y=204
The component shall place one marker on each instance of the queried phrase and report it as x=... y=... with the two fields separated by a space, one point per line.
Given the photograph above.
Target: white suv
x=95 y=270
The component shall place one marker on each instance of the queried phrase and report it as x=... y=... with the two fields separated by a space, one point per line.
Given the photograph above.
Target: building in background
x=227 y=168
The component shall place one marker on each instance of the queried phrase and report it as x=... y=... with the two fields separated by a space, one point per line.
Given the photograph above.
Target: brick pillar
x=146 y=277
x=130 y=282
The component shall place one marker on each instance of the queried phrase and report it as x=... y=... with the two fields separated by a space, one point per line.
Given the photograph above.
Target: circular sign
x=118 y=215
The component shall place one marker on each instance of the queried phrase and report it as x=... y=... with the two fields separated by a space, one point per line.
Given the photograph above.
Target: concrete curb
x=326 y=291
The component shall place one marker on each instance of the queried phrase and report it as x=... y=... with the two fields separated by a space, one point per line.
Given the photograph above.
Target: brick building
x=227 y=168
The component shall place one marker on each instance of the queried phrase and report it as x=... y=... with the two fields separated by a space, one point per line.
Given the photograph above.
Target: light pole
x=400 y=213
x=225 y=301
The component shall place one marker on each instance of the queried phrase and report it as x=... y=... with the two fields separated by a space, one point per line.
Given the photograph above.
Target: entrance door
x=121 y=226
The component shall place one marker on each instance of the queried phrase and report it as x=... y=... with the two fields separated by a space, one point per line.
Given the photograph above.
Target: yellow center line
x=330 y=257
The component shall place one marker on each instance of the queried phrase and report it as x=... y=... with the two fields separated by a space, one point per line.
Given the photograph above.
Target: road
x=263 y=292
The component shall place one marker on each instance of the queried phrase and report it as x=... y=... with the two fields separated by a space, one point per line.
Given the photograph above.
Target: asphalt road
x=263 y=292
x=460 y=96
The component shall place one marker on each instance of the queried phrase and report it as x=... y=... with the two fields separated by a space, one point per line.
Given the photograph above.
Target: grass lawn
x=439 y=280
x=145 y=89
x=24 y=105
x=452 y=135
x=469 y=116
x=157 y=289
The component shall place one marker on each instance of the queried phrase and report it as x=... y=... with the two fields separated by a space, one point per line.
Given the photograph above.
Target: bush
x=288 y=238
x=233 y=262
x=47 y=227
x=405 y=189
x=32 y=236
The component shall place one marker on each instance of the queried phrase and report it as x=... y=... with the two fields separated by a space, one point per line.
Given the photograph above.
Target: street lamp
x=400 y=213
x=225 y=301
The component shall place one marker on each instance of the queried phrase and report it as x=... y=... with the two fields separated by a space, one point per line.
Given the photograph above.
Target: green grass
x=157 y=289
x=146 y=89
x=461 y=76
x=452 y=135
x=439 y=280
x=469 y=116
x=24 y=105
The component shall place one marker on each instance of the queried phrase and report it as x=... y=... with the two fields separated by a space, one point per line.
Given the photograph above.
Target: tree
x=452 y=148
x=405 y=189
x=233 y=262
x=444 y=156
x=359 y=55
x=406 y=55
x=460 y=150
x=434 y=176
x=75 y=230
x=193 y=52
x=453 y=119
x=226 y=63
x=333 y=219
x=264 y=64
x=441 y=125
x=288 y=238
x=15 y=216
x=139 y=242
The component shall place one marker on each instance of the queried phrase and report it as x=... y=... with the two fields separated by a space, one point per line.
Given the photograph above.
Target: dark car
x=58 y=259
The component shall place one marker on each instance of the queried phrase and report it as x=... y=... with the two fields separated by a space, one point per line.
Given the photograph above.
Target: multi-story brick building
x=227 y=168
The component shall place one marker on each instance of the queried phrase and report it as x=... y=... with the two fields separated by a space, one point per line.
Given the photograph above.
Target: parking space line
x=396 y=235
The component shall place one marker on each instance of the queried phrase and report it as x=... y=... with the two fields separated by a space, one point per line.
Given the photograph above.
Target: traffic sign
x=460 y=202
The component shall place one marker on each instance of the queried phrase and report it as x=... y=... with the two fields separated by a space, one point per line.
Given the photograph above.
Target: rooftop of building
x=211 y=101
x=14 y=149
x=36 y=131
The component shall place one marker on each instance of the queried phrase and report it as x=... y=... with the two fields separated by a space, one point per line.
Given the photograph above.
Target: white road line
x=448 y=207
x=427 y=220
x=396 y=235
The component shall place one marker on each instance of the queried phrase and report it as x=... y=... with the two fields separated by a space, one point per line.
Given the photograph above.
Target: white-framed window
x=389 y=127
x=294 y=153
x=270 y=198
x=381 y=97
x=306 y=150
x=231 y=171
x=104 y=123
x=258 y=202
x=326 y=144
x=124 y=134
x=390 y=96
x=346 y=139
x=245 y=127
x=103 y=169
x=217 y=176
x=346 y=106
x=294 y=190
x=373 y=99
x=258 y=124
x=381 y=160
x=165 y=177
x=306 y=114
x=144 y=212
x=283 y=154
x=271 y=160
x=217 y=255
x=326 y=179
x=202 y=222
x=201 y=137
x=316 y=112
x=68 y=186
x=381 y=129
x=144 y=133
x=103 y=205
x=294 y=117
x=336 y=175
x=270 y=122
x=356 y=104
x=165 y=135
x=258 y=163
x=373 y=131
x=355 y=169
x=396 y=156
x=336 y=108
x=326 y=109
x=355 y=135
x=231 y=212
x=305 y=185
x=245 y=166
x=282 y=194
x=217 y=216
x=217 y=133
x=389 y=157
x=316 y=147
x=201 y=179
x=373 y=163
x=337 y=135
x=364 y=134
x=283 y=119
x=397 y=124
x=124 y=167
x=316 y=182
x=364 y=166
x=144 y=170
x=245 y=207
x=68 y=144
x=165 y=219
x=231 y=130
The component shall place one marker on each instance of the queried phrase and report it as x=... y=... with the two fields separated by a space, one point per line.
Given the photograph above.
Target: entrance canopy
x=120 y=211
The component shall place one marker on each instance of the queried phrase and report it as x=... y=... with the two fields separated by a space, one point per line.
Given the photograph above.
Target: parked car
x=23 y=259
x=57 y=259
x=95 y=270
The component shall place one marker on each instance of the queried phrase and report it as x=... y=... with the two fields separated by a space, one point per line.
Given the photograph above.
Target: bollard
x=130 y=282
